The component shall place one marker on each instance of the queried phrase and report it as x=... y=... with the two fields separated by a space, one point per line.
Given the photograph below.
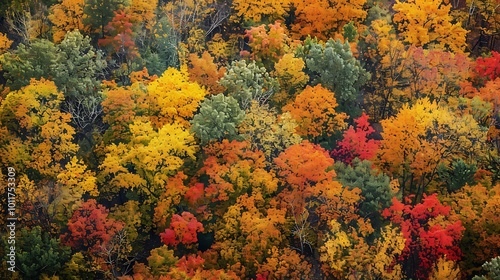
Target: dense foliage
x=250 y=139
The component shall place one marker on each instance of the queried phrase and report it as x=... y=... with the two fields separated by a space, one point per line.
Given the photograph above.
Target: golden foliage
x=314 y=112
x=325 y=19
x=428 y=22
x=172 y=98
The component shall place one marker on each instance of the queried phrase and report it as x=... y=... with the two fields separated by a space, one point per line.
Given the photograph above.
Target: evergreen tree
x=218 y=118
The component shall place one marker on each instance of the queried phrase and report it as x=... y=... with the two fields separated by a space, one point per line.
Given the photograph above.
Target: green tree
x=457 y=174
x=218 y=118
x=38 y=253
x=247 y=81
x=334 y=66
x=27 y=62
x=78 y=67
x=375 y=187
x=159 y=52
x=100 y=12
x=493 y=268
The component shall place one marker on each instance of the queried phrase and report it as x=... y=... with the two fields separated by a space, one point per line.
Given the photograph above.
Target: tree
x=121 y=107
x=375 y=187
x=309 y=190
x=493 y=268
x=314 y=111
x=78 y=67
x=421 y=137
x=90 y=228
x=457 y=175
x=5 y=43
x=283 y=263
x=269 y=43
x=234 y=169
x=291 y=77
x=260 y=10
x=356 y=143
x=334 y=67
x=247 y=82
x=27 y=62
x=434 y=74
x=325 y=19
x=73 y=183
x=445 y=269
x=218 y=118
x=67 y=16
x=477 y=208
x=159 y=52
x=183 y=229
x=245 y=235
x=429 y=232
x=142 y=12
x=172 y=98
x=487 y=67
x=386 y=60
x=161 y=260
x=99 y=13
x=267 y=132
x=425 y=23
x=144 y=164
x=121 y=37
x=39 y=254
x=205 y=72
x=40 y=134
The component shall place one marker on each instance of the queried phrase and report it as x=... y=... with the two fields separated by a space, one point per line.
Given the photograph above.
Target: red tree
x=356 y=143
x=89 y=228
x=183 y=229
x=489 y=66
x=429 y=234
x=121 y=35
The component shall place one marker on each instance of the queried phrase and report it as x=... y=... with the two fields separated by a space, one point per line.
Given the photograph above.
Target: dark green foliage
x=38 y=253
x=78 y=68
x=247 y=82
x=74 y=65
x=100 y=12
x=159 y=52
x=334 y=66
x=374 y=185
x=350 y=32
x=457 y=175
x=218 y=118
x=29 y=61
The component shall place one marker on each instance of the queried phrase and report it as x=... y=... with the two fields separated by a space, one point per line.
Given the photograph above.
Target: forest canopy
x=257 y=139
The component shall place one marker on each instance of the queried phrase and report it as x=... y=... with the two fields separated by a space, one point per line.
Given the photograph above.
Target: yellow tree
x=172 y=98
x=427 y=23
x=37 y=141
x=5 y=43
x=142 y=12
x=314 y=111
x=42 y=137
x=387 y=57
x=67 y=16
x=422 y=136
x=478 y=207
x=326 y=18
x=260 y=10
x=146 y=162
x=291 y=77
x=245 y=235
x=267 y=132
